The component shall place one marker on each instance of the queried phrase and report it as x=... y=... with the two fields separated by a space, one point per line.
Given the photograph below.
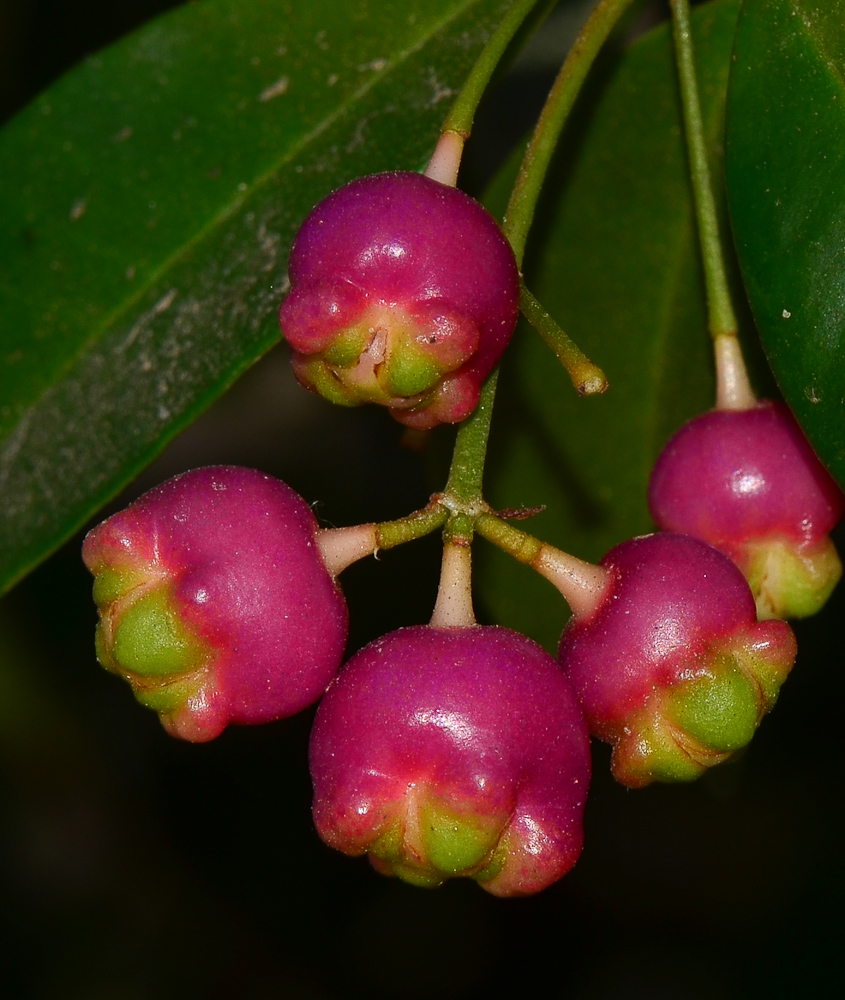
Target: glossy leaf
x=149 y=200
x=785 y=170
x=615 y=259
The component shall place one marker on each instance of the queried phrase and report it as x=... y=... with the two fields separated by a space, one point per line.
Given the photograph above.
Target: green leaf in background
x=617 y=263
x=148 y=203
x=785 y=171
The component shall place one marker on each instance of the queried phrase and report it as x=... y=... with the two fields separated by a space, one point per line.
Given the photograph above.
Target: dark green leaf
x=785 y=170
x=616 y=261
x=148 y=203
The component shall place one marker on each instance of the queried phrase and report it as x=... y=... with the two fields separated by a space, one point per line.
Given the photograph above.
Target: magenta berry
x=672 y=667
x=404 y=292
x=748 y=482
x=453 y=751
x=214 y=601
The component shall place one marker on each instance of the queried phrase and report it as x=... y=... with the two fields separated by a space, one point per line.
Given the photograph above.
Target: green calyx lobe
x=651 y=751
x=145 y=640
x=455 y=845
x=703 y=719
x=400 y=380
x=720 y=710
x=150 y=639
x=387 y=357
x=111 y=584
x=346 y=348
x=429 y=843
x=322 y=379
x=409 y=374
x=167 y=696
x=791 y=581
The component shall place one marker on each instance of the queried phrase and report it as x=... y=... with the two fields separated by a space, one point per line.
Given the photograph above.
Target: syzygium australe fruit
x=214 y=601
x=404 y=292
x=748 y=482
x=443 y=752
x=671 y=665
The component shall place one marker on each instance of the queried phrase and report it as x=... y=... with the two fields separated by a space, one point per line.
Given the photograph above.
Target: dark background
x=136 y=866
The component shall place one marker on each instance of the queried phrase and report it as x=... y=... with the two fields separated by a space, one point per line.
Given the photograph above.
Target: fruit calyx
x=457 y=751
x=215 y=604
x=673 y=668
x=748 y=482
x=404 y=292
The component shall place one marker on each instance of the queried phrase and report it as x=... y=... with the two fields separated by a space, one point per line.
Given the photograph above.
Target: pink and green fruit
x=404 y=292
x=444 y=752
x=214 y=601
x=748 y=482
x=672 y=667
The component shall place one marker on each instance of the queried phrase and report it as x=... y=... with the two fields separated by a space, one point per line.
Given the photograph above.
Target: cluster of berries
x=461 y=749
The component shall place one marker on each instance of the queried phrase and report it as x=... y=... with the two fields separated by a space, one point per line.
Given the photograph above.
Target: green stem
x=467 y=471
x=587 y=377
x=340 y=547
x=538 y=155
x=518 y=544
x=581 y=583
x=389 y=534
x=462 y=113
x=721 y=317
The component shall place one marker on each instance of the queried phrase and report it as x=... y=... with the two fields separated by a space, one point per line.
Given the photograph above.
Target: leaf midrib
x=156 y=276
